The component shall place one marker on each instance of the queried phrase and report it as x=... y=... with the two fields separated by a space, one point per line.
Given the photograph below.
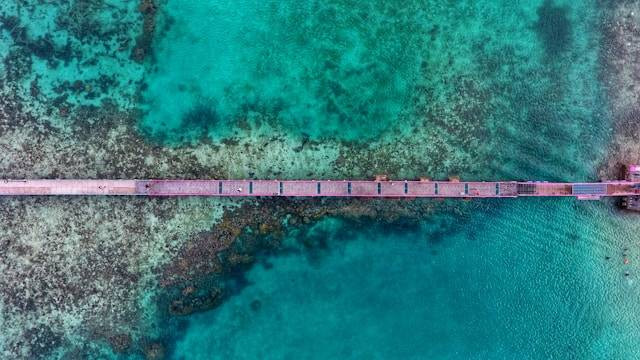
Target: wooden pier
x=632 y=202
x=629 y=188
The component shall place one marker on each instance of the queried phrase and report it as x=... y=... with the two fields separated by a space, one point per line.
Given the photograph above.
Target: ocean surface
x=485 y=90
x=526 y=280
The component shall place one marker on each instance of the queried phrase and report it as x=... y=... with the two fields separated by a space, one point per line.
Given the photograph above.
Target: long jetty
x=379 y=188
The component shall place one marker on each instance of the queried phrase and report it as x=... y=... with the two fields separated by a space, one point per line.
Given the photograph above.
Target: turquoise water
x=529 y=280
x=325 y=69
x=354 y=70
x=513 y=84
x=346 y=88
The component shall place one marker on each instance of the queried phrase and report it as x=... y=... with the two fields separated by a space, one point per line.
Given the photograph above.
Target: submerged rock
x=154 y=351
x=193 y=303
x=120 y=342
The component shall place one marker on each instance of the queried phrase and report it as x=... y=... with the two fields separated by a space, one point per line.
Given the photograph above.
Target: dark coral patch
x=148 y=9
x=195 y=126
x=553 y=28
x=200 y=120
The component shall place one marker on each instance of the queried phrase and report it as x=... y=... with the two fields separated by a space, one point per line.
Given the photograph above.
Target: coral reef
x=231 y=242
x=73 y=50
x=114 y=252
x=621 y=72
x=148 y=9
x=122 y=247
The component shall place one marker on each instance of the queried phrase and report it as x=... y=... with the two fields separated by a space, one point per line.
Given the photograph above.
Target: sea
x=348 y=89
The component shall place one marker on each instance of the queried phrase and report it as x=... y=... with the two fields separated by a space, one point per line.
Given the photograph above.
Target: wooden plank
x=122 y=190
x=364 y=188
x=482 y=189
x=67 y=187
x=451 y=189
x=334 y=188
x=392 y=188
x=24 y=190
x=508 y=189
x=553 y=189
x=300 y=188
x=182 y=188
x=421 y=188
x=265 y=187
x=143 y=187
x=235 y=187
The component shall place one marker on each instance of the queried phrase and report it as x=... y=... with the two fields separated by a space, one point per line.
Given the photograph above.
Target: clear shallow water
x=527 y=281
x=353 y=70
x=514 y=87
x=325 y=69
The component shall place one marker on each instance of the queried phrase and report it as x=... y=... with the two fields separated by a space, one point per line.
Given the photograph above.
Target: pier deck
x=322 y=188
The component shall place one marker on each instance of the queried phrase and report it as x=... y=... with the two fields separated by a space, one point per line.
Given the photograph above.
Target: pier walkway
x=323 y=188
